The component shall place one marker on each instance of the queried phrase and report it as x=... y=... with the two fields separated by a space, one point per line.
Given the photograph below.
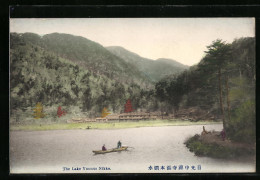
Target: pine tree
x=38 y=111
x=128 y=106
x=218 y=54
x=104 y=113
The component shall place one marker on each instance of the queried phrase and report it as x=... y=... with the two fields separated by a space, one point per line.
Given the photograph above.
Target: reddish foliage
x=60 y=112
x=128 y=106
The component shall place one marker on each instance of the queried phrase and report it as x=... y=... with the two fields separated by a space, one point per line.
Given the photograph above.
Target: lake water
x=52 y=151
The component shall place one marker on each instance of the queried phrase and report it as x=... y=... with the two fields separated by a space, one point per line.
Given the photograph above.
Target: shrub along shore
x=212 y=145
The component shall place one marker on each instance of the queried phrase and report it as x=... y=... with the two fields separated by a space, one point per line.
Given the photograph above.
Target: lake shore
x=108 y=125
x=50 y=151
x=213 y=145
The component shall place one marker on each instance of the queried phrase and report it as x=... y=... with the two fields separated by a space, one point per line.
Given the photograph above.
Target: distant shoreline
x=109 y=125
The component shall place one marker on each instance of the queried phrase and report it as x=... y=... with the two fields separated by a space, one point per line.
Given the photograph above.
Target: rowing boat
x=123 y=148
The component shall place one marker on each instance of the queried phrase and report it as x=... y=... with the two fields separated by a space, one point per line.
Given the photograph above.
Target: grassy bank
x=110 y=125
x=200 y=148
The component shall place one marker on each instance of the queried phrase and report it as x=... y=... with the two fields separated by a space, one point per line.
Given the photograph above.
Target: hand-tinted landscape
x=61 y=81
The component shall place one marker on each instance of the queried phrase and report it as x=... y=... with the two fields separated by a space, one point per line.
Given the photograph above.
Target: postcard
x=132 y=95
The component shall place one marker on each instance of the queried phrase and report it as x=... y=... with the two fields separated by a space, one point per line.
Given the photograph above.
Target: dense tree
x=217 y=56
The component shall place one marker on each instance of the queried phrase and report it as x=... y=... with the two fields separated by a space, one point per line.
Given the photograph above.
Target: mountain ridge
x=39 y=75
x=88 y=54
x=172 y=61
x=113 y=61
x=154 y=69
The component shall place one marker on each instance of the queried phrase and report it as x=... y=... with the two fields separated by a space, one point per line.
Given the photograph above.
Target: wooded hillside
x=154 y=70
x=223 y=84
x=60 y=70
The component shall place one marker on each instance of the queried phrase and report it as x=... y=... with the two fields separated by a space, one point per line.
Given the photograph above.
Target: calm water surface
x=50 y=151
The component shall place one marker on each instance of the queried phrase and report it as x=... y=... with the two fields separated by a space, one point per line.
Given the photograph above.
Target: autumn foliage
x=105 y=112
x=38 y=111
x=60 y=112
x=128 y=106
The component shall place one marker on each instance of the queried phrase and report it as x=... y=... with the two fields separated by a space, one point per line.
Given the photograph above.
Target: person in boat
x=104 y=148
x=119 y=144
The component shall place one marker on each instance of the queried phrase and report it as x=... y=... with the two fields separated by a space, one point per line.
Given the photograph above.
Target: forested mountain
x=88 y=79
x=154 y=69
x=223 y=84
x=88 y=55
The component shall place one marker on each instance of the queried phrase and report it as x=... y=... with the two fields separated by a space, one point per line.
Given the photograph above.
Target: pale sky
x=181 y=39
